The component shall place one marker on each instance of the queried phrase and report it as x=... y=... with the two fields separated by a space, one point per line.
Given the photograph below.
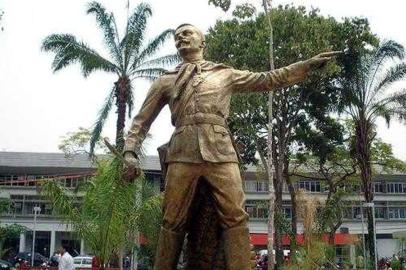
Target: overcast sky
x=38 y=107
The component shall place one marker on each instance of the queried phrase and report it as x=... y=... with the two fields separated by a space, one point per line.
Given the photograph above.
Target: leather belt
x=201 y=118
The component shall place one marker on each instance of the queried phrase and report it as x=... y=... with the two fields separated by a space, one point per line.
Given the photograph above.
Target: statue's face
x=188 y=39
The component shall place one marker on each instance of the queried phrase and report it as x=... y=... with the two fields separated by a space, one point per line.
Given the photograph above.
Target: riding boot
x=237 y=248
x=168 y=250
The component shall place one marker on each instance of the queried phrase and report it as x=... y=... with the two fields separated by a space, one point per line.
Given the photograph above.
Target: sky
x=38 y=107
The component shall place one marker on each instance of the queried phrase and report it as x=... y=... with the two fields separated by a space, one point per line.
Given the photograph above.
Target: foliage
x=396 y=264
x=383 y=159
x=7 y=231
x=74 y=143
x=369 y=91
x=110 y=212
x=244 y=11
x=315 y=254
x=129 y=58
x=297 y=110
x=305 y=34
x=4 y=205
x=223 y=4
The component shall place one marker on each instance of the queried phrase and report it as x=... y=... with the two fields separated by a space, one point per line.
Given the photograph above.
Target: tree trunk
x=364 y=138
x=278 y=183
x=122 y=93
x=292 y=192
x=267 y=4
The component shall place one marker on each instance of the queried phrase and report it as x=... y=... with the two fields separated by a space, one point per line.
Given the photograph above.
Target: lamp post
x=37 y=209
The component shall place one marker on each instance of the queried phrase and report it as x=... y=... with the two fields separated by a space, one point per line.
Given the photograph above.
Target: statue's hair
x=188 y=24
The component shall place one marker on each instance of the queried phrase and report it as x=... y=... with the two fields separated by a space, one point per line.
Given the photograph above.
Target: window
x=397 y=213
x=287 y=211
x=257 y=209
x=310 y=185
x=396 y=187
x=380 y=212
x=255 y=186
x=378 y=187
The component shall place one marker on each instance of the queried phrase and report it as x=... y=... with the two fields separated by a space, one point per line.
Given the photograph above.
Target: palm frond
x=150 y=78
x=69 y=51
x=160 y=61
x=387 y=50
x=155 y=72
x=101 y=119
x=62 y=202
x=394 y=74
x=393 y=105
x=153 y=46
x=108 y=25
x=134 y=35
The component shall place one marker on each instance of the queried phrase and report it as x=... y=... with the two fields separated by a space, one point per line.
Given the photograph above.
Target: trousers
x=225 y=184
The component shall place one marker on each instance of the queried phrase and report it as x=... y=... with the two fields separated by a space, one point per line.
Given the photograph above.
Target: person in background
x=95 y=263
x=66 y=260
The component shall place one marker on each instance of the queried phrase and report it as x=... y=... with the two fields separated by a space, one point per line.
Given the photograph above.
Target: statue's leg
x=181 y=182
x=226 y=185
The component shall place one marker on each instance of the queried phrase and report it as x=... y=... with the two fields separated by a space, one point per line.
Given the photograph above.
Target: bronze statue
x=198 y=93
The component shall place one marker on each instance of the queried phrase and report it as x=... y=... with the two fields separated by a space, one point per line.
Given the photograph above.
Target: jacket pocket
x=176 y=143
x=223 y=140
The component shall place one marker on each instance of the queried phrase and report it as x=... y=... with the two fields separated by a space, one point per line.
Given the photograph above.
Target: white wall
x=386 y=247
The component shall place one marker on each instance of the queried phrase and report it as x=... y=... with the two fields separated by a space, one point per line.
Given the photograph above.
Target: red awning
x=261 y=239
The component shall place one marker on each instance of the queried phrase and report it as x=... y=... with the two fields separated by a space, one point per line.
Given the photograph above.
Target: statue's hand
x=320 y=60
x=131 y=169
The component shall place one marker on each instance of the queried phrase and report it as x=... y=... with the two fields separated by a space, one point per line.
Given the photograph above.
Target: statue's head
x=189 y=40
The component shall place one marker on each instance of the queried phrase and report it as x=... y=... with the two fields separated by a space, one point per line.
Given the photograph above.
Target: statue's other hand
x=131 y=169
x=320 y=60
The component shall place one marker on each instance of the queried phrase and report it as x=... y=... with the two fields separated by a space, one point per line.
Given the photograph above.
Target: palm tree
x=369 y=92
x=107 y=215
x=128 y=58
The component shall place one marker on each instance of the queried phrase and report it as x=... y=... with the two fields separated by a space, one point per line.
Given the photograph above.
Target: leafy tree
x=128 y=58
x=298 y=34
x=324 y=152
x=7 y=231
x=110 y=212
x=223 y=4
x=369 y=92
x=75 y=143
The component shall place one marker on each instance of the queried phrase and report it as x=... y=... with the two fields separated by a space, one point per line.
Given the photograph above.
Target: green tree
x=110 y=212
x=128 y=58
x=77 y=142
x=298 y=34
x=7 y=231
x=369 y=92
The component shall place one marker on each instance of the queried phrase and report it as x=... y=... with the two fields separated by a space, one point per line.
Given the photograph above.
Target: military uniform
x=198 y=95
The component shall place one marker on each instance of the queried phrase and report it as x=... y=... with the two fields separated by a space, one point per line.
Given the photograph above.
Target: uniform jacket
x=211 y=92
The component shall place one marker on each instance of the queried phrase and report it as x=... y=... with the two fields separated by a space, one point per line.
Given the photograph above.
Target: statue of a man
x=198 y=93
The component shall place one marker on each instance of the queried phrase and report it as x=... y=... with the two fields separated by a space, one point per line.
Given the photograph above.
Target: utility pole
x=267 y=4
x=37 y=209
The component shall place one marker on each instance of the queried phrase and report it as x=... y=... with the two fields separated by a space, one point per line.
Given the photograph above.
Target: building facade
x=20 y=172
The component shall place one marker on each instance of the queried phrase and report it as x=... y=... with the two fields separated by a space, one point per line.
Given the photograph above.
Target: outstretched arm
x=243 y=80
x=141 y=124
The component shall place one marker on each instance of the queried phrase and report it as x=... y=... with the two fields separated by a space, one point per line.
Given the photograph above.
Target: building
x=19 y=172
